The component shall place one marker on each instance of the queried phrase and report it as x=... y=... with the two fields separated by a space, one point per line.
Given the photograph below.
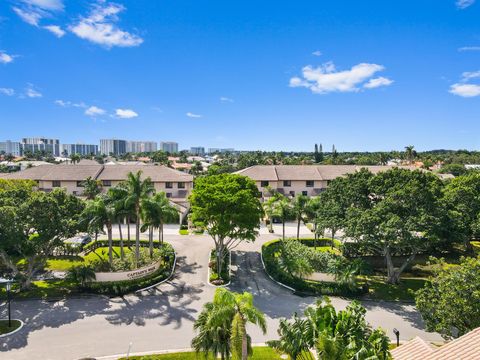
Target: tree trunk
x=110 y=243
x=244 y=341
x=283 y=229
x=298 y=228
x=333 y=237
x=121 y=239
x=219 y=252
x=137 y=234
x=150 y=240
x=315 y=236
x=128 y=232
x=393 y=276
x=161 y=227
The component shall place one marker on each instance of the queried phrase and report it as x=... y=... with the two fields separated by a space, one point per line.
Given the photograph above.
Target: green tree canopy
x=450 y=301
x=229 y=206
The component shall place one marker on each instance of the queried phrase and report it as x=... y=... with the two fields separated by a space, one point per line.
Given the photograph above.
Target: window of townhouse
x=168 y=185
x=169 y=195
x=107 y=183
x=264 y=183
x=310 y=183
x=305 y=193
x=181 y=185
x=292 y=193
x=287 y=183
x=56 y=183
x=79 y=183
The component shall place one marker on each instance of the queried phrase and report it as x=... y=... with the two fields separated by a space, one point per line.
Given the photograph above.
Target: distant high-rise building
x=80 y=149
x=35 y=144
x=141 y=146
x=219 y=150
x=11 y=147
x=169 y=146
x=113 y=146
x=198 y=150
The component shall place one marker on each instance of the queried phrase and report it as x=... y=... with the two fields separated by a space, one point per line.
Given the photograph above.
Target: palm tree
x=293 y=340
x=138 y=190
x=166 y=213
x=410 y=153
x=225 y=319
x=299 y=205
x=75 y=158
x=118 y=195
x=101 y=211
x=312 y=213
x=91 y=188
x=282 y=208
x=81 y=275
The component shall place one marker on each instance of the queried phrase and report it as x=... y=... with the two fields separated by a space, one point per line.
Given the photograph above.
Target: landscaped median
x=294 y=262
x=222 y=279
x=6 y=330
x=92 y=273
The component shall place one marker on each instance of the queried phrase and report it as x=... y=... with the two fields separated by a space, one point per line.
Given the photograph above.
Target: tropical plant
x=137 y=190
x=102 y=212
x=450 y=301
x=299 y=207
x=282 y=208
x=81 y=275
x=221 y=325
x=75 y=158
x=342 y=335
x=91 y=188
x=229 y=206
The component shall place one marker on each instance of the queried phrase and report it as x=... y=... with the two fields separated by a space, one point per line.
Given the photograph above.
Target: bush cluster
x=224 y=276
x=325 y=262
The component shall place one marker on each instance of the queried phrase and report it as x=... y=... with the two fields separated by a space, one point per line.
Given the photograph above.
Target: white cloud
x=465 y=90
x=192 y=115
x=317 y=53
x=94 y=111
x=5 y=58
x=469 y=48
x=62 y=103
x=56 y=30
x=7 y=91
x=100 y=28
x=377 y=82
x=325 y=78
x=125 y=113
x=29 y=15
x=32 y=93
x=470 y=75
x=463 y=4
x=46 y=4
x=225 y=99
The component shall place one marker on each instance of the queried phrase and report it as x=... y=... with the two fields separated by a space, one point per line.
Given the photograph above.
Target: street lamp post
x=397 y=334
x=9 y=287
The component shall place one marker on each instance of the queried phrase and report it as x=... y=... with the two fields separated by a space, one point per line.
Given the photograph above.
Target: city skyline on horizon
x=246 y=76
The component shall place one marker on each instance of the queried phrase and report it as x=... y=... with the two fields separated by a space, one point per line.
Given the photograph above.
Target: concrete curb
x=14 y=331
x=229 y=271
x=271 y=278
x=165 y=280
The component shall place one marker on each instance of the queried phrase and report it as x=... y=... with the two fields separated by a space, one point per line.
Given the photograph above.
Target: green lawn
x=259 y=353
x=380 y=290
x=44 y=289
x=63 y=263
x=328 y=249
x=4 y=326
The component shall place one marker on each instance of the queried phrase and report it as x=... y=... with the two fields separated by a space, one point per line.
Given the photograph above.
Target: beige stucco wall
x=297 y=186
x=70 y=186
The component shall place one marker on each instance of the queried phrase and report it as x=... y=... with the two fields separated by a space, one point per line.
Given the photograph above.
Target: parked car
x=78 y=241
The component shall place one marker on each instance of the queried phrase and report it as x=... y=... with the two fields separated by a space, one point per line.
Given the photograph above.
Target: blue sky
x=270 y=75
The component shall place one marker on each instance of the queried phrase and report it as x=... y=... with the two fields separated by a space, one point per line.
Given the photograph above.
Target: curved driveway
x=162 y=318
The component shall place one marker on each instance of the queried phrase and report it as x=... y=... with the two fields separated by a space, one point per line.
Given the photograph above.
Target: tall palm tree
x=299 y=205
x=312 y=213
x=166 y=213
x=282 y=208
x=410 y=153
x=118 y=194
x=75 y=158
x=292 y=338
x=101 y=210
x=91 y=188
x=225 y=319
x=138 y=190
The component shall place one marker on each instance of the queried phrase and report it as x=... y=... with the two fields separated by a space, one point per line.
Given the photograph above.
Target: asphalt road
x=162 y=318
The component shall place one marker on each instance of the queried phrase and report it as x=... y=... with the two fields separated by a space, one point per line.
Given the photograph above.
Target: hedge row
x=269 y=250
x=92 y=246
x=118 y=288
